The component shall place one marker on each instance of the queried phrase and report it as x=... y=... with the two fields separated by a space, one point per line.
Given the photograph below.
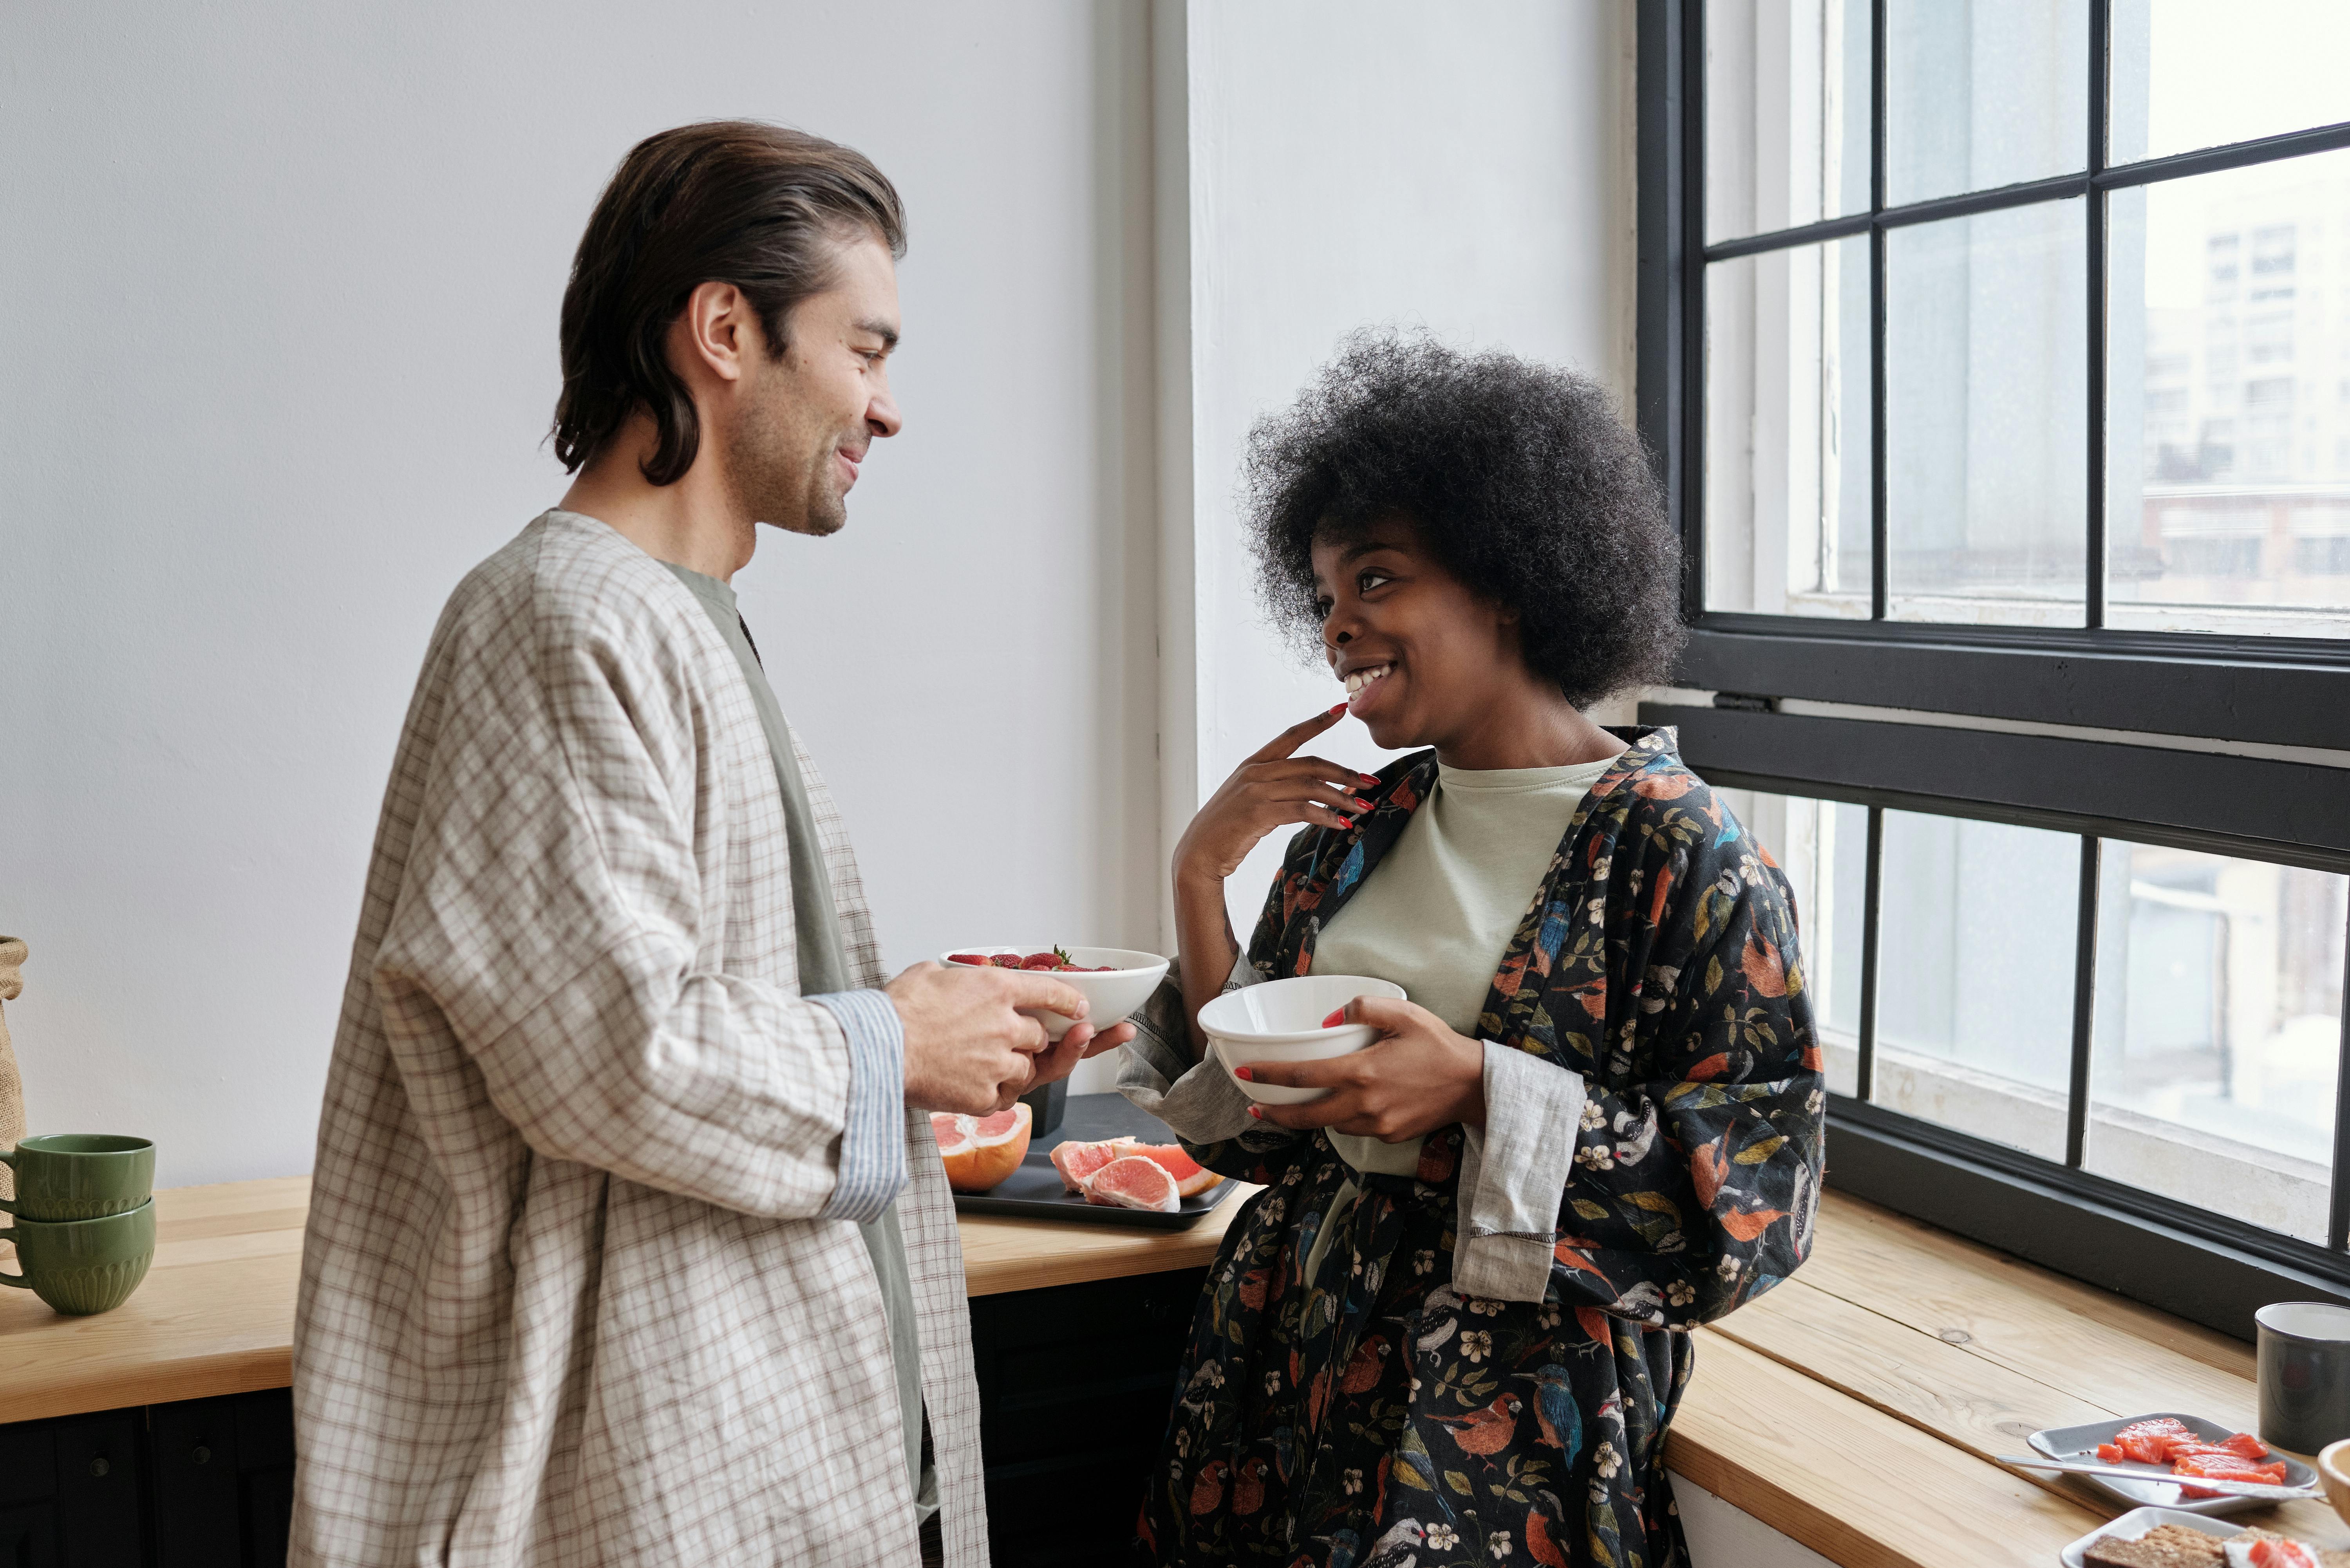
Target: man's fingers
x=1108 y=1040
x=1036 y=988
x=1296 y=735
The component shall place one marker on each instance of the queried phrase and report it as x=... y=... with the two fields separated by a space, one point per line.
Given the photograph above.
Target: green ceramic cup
x=83 y=1266
x=80 y=1176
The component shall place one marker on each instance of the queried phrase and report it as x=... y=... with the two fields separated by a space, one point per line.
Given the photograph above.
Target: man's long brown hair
x=728 y=201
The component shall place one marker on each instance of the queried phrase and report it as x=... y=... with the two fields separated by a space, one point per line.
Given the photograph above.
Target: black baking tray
x=1035 y=1191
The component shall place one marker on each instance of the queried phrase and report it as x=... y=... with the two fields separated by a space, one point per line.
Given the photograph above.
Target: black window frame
x=2273 y=691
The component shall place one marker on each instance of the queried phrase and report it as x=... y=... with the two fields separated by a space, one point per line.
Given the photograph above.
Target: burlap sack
x=12 y=1088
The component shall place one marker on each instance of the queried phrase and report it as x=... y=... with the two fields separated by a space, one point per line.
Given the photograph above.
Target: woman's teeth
x=1358 y=679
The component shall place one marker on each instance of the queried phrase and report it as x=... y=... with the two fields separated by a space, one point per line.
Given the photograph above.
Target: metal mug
x=2304 y=1350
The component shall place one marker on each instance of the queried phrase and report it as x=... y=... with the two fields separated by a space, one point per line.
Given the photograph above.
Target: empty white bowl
x=1281 y=1020
x=1110 y=998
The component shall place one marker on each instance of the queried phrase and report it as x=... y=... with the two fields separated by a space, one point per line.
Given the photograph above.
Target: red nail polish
x=1336 y=1019
x=1257 y=1114
x=1362 y=804
x=1244 y=1075
x=1368 y=778
x=1339 y=708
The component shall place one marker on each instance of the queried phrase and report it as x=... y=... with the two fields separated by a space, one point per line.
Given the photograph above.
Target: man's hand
x=967 y=1047
x=1419 y=1077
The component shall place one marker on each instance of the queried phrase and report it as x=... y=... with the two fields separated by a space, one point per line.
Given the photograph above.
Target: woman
x=1453 y=1327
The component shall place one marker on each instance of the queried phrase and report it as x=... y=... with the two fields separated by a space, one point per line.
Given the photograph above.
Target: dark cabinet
x=207 y=1483
x=1073 y=1384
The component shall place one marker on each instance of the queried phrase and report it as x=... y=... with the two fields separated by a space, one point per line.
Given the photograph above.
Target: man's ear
x=715 y=335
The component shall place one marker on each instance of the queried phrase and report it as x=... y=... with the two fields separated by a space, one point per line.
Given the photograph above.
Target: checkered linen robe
x=565 y=1298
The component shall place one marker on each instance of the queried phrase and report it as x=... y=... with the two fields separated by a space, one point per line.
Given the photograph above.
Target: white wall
x=278 y=288
x=277 y=301
x=1465 y=169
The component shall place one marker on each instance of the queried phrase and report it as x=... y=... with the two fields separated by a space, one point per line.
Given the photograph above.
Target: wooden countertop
x=215 y=1315
x=1851 y=1409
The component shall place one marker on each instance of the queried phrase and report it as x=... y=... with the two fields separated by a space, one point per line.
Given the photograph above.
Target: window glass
x=2188 y=73
x=2228 y=478
x=1983 y=93
x=1786 y=114
x=1975 y=960
x=1985 y=415
x=1787 y=432
x=2218 y=1025
x=1822 y=848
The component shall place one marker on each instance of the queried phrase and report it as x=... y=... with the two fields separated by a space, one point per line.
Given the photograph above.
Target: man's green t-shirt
x=823 y=971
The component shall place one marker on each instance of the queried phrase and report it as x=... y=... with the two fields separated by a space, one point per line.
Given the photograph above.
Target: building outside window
x=1997 y=353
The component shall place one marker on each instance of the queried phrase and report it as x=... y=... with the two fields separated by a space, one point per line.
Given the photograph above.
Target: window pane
x=1786 y=113
x=2190 y=73
x=2229 y=506
x=2218 y=1025
x=1983 y=93
x=1823 y=847
x=1986 y=425
x=1788 y=429
x=1974 y=994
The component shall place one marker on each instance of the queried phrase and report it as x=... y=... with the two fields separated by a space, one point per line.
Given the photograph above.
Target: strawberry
x=1006 y=960
x=1041 y=960
x=981 y=960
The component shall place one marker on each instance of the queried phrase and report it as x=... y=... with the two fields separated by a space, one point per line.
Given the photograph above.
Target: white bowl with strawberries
x=1113 y=981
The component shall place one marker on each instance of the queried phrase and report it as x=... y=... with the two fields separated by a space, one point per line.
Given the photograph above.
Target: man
x=629 y=1243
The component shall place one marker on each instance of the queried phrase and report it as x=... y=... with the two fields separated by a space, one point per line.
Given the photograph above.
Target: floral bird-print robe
x=1340 y=1404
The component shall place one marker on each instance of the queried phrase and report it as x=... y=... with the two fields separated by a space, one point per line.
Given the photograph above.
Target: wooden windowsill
x=1851 y=1409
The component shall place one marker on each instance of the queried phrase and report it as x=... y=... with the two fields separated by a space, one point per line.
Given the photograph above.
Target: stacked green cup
x=85 y=1217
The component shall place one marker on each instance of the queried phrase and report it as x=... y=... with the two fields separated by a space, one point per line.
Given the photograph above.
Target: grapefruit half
x=980 y=1151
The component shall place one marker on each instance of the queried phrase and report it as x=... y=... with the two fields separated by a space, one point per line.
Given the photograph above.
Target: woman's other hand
x=1416 y=1077
x=1271 y=789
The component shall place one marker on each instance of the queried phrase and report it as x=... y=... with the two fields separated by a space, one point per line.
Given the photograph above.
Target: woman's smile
x=1365 y=686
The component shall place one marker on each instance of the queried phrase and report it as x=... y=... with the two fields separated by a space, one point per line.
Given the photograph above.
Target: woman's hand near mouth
x=1274 y=788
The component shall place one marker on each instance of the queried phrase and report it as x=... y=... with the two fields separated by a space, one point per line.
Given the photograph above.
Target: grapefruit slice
x=1077 y=1159
x=980 y=1151
x=1130 y=1181
x=1191 y=1178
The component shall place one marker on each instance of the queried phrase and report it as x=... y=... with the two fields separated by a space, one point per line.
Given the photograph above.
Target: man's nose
x=881 y=416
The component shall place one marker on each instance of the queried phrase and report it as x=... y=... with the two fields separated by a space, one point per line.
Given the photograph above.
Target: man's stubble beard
x=778 y=479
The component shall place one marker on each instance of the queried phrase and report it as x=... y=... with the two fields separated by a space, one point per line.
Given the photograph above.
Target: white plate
x=2137 y=1521
x=2081 y=1443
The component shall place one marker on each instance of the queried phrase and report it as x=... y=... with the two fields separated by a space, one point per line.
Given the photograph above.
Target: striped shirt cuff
x=873 y=1140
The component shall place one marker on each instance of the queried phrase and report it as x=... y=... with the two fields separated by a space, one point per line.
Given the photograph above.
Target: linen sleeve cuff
x=1156 y=1073
x=873 y=1137
x=1513 y=1175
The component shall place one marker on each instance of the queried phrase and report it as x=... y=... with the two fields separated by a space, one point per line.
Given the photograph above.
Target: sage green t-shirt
x=1439 y=910
x=823 y=970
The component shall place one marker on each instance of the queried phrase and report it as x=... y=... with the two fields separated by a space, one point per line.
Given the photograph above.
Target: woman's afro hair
x=1519 y=478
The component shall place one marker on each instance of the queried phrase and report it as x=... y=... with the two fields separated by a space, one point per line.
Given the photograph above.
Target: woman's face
x=1424 y=659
